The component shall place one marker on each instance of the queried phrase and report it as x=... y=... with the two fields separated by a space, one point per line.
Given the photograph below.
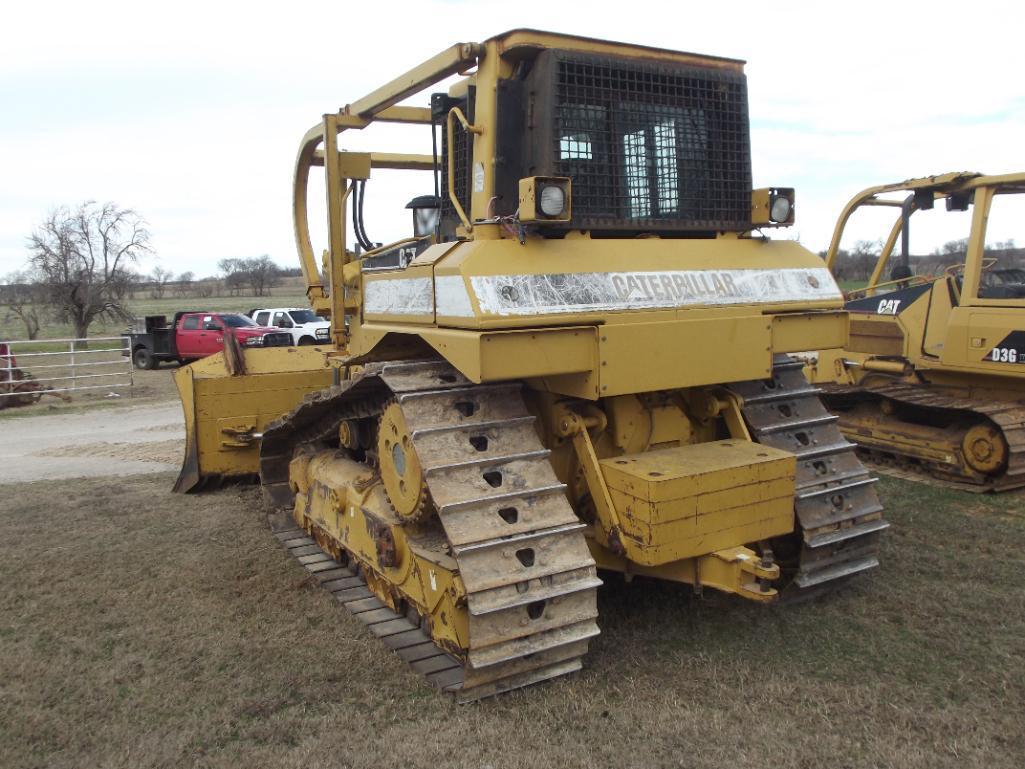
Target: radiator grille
x=652 y=146
x=277 y=339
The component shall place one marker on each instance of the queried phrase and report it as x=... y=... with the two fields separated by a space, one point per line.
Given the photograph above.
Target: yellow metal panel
x=496 y=356
x=640 y=357
x=937 y=318
x=519 y=354
x=876 y=336
x=797 y=332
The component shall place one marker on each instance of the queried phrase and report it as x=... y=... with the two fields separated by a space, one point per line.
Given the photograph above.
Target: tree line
x=81 y=269
x=858 y=262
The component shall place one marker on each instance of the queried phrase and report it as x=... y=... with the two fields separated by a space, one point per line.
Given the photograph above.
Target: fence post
x=10 y=374
x=127 y=341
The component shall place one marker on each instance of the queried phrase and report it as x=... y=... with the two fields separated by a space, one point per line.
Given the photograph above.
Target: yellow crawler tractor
x=577 y=360
x=932 y=383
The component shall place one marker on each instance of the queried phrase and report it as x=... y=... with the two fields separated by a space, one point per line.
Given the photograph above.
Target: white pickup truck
x=304 y=326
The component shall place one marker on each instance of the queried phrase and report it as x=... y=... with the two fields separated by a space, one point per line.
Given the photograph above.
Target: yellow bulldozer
x=577 y=361
x=932 y=382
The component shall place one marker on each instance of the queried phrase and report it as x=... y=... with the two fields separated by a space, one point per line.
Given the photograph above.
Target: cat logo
x=888 y=307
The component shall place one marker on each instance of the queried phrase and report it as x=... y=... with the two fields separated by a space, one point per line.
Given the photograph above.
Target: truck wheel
x=307 y=340
x=143 y=359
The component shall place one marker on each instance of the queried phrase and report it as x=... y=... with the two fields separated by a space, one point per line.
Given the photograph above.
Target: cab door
x=187 y=338
x=211 y=336
x=987 y=330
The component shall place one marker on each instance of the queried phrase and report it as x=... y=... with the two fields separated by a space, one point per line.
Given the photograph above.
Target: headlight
x=253 y=341
x=545 y=199
x=323 y=333
x=780 y=211
x=553 y=200
x=772 y=207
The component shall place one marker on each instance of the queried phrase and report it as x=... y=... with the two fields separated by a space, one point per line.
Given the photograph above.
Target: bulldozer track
x=1008 y=418
x=836 y=505
x=529 y=577
x=397 y=631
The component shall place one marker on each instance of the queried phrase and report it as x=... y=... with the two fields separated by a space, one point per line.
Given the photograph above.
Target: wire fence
x=30 y=369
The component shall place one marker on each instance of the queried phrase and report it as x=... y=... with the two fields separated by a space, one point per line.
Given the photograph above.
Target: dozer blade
x=225 y=413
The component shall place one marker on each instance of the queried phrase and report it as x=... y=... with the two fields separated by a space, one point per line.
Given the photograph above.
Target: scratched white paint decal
x=598 y=291
x=399 y=296
x=451 y=296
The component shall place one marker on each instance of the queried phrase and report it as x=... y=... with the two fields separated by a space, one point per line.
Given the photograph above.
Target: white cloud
x=191 y=112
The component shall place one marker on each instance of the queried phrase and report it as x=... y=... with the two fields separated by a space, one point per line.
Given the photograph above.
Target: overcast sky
x=191 y=112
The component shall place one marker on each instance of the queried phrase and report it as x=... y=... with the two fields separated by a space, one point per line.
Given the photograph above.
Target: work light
x=772 y=206
x=544 y=199
x=426 y=212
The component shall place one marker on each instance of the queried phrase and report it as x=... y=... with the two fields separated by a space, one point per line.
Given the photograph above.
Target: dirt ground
x=144 y=629
x=93 y=442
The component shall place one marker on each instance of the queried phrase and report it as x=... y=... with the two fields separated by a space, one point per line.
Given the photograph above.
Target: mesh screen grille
x=462 y=172
x=650 y=146
x=463 y=158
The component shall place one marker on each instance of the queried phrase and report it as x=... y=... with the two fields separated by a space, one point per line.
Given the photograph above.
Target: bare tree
x=183 y=285
x=262 y=274
x=25 y=299
x=125 y=283
x=234 y=272
x=856 y=264
x=158 y=282
x=83 y=255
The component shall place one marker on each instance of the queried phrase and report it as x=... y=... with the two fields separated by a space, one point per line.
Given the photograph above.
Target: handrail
x=858 y=293
x=474 y=129
x=300 y=215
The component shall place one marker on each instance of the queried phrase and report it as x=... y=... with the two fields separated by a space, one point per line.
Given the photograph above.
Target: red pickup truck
x=193 y=335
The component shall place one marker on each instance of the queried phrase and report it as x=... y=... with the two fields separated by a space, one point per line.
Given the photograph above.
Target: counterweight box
x=696 y=499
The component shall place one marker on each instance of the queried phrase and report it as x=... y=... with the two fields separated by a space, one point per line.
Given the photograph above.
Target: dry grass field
x=144 y=629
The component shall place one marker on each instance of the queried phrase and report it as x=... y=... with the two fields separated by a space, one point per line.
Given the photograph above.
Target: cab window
x=210 y=323
x=281 y=320
x=1002 y=272
x=191 y=323
x=262 y=317
x=235 y=320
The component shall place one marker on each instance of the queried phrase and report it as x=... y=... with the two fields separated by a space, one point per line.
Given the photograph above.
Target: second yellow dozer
x=577 y=362
x=931 y=385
